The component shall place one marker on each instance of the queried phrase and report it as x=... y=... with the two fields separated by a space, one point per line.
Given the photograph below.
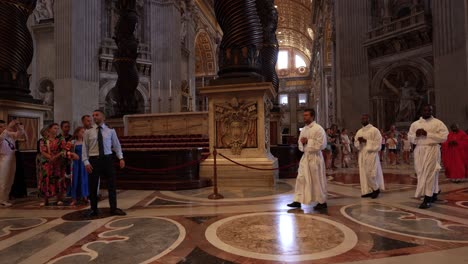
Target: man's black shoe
x=321 y=206
x=367 y=195
x=375 y=194
x=426 y=203
x=434 y=197
x=295 y=205
x=117 y=211
x=90 y=214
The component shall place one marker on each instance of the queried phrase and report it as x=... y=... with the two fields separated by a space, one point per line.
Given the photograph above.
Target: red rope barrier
x=261 y=169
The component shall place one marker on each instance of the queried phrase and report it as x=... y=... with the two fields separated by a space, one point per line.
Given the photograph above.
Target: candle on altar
x=189 y=94
x=170 y=88
x=159 y=88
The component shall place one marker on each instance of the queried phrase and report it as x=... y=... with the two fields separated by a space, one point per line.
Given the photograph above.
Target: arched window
x=300 y=62
x=283 y=59
x=292 y=62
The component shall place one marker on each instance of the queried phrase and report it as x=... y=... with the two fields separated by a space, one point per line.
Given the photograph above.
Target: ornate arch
x=422 y=65
x=205 y=63
x=385 y=105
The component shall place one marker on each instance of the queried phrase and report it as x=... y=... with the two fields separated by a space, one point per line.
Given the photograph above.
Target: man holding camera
x=8 y=136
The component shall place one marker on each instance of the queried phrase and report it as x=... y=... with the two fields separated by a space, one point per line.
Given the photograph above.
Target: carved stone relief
x=236 y=125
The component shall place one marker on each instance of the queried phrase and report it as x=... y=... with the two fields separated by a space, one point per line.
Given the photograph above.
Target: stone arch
x=205 y=62
x=385 y=102
x=109 y=85
x=424 y=66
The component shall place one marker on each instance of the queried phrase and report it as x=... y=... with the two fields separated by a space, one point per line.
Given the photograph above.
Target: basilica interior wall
x=352 y=77
x=450 y=53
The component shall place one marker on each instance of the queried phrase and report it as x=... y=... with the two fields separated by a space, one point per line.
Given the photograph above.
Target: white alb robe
x=7 y=163
x=370 y=169
x=311 y=182
x=427 y=154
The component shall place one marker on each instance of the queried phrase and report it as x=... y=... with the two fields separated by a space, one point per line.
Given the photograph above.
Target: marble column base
x=232 y=175
x=229 y=105
x=17 y=108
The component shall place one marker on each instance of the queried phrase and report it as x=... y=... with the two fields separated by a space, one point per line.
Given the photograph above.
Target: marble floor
x=251 y=225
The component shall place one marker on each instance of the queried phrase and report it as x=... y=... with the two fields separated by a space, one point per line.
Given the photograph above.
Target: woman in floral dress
x=52 y=179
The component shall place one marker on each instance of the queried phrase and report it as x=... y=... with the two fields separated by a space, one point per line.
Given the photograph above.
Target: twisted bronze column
x=239 y=56
x=269 y=53
x=16 y=49
x=125 y=58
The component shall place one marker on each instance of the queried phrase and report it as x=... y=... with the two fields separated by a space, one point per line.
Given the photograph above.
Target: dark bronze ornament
x=125 y=58
x=239 y=55
x=16 y=49
x=269 y=54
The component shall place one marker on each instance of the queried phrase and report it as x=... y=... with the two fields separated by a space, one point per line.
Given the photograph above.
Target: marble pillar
x=77 y=38
x=166 y=53
x=188 y=51
x=450 y=61
x=352 y=73
x=293 y=99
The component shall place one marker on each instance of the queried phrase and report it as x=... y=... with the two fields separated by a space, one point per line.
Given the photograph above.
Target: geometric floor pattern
x=251 y=225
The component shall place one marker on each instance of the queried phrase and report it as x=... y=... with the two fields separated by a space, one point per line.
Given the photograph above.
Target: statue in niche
x=44 y=10
x=46 y=90
x=185 y=96
x=236 y=125
x=409 y=101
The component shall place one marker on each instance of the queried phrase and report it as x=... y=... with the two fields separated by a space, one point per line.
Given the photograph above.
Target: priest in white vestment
x=368 y=141
x=427 y=134
x=311 y=182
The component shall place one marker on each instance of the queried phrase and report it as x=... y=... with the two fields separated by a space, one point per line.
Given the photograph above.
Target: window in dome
x=283 y=59
x=283 y=98
x=302 y=99
x=300 y=62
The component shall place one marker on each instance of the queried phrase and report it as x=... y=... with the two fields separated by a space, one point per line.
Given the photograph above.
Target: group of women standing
x=54 y=155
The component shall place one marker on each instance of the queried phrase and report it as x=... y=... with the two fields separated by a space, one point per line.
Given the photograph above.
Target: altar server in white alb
x=368 y=141
x=311 y=182
x=427 y=134
x=8 y=136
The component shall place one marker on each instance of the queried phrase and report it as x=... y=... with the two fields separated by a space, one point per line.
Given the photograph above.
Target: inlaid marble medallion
x=397 y=221
x=281 y=236
x=130 y=240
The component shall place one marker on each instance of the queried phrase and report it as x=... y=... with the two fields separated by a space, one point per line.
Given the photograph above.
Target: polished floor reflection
x=252 y=225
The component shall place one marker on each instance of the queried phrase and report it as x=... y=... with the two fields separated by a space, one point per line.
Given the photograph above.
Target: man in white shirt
x=311 y=182
x=427 y=134
x=368 y=141
x=8 y=136
x=86 y=122
x=98 y=159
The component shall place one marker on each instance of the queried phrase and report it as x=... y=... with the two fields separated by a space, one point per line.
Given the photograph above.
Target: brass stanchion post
x=215 y=195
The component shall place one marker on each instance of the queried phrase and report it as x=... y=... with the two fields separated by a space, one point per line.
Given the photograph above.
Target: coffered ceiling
x=294 y=23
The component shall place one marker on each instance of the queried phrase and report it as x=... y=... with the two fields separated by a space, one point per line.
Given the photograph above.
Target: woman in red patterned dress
x=52 y=179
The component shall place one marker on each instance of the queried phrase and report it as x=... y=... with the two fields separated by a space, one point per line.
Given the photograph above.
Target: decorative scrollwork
x=236 y=125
